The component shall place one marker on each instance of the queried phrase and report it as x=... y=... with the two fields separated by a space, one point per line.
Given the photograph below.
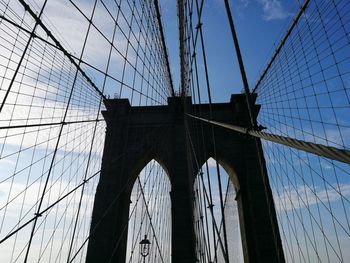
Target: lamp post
x=145 y=244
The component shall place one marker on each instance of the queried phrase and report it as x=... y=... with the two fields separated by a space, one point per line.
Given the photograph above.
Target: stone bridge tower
x=136 y=135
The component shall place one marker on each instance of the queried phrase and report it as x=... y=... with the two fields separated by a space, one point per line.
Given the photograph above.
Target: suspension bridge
x=104 y=159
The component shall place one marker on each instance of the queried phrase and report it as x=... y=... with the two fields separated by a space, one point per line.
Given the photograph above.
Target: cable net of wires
x=304 y=94
x=208 y=218
x=150 y=215
x=216 y=221
x=59 y=60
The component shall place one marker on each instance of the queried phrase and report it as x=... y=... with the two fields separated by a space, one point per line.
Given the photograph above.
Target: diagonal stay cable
x=82 y=61
x=206 y=195
x=47 y=124
x=150 y=218
x=108 y=209
x=22 y=56
x=330 y=152
x=283 y=41
x=49 y=207
x=25 y=5
x=60 y=47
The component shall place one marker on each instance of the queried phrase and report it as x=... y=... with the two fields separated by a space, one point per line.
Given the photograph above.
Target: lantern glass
x=145 y=245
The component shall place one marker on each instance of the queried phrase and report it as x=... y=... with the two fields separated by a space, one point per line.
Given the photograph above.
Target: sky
x=306 y=187
x=260 y=24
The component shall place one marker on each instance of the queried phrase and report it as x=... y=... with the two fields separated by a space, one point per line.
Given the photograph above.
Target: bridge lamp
x=145 y=244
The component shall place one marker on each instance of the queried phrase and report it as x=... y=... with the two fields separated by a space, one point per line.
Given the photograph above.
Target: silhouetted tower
x=136 y=135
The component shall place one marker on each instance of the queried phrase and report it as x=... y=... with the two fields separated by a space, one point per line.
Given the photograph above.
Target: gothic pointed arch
x=150 y=214
x=211 y=241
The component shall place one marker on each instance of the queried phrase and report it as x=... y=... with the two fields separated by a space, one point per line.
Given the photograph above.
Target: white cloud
x=56 y=219
x=273 y=10
x=4 y=162
x=48 y=105
x=291 y=198
x=96 y=52
x=244 y=3
x=38 y=95
x=211 y=162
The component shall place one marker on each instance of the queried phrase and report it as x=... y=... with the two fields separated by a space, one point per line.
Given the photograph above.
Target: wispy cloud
x=244 y=3
x=273 y=10
x=21 y=206
x=297 y=198
x=38 y=94
x=240 y=7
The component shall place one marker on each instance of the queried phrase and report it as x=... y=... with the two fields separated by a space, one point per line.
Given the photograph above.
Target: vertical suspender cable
x=254 y=125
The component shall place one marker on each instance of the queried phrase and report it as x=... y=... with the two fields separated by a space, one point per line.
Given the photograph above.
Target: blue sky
x=259 y=24
x=306 y=187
